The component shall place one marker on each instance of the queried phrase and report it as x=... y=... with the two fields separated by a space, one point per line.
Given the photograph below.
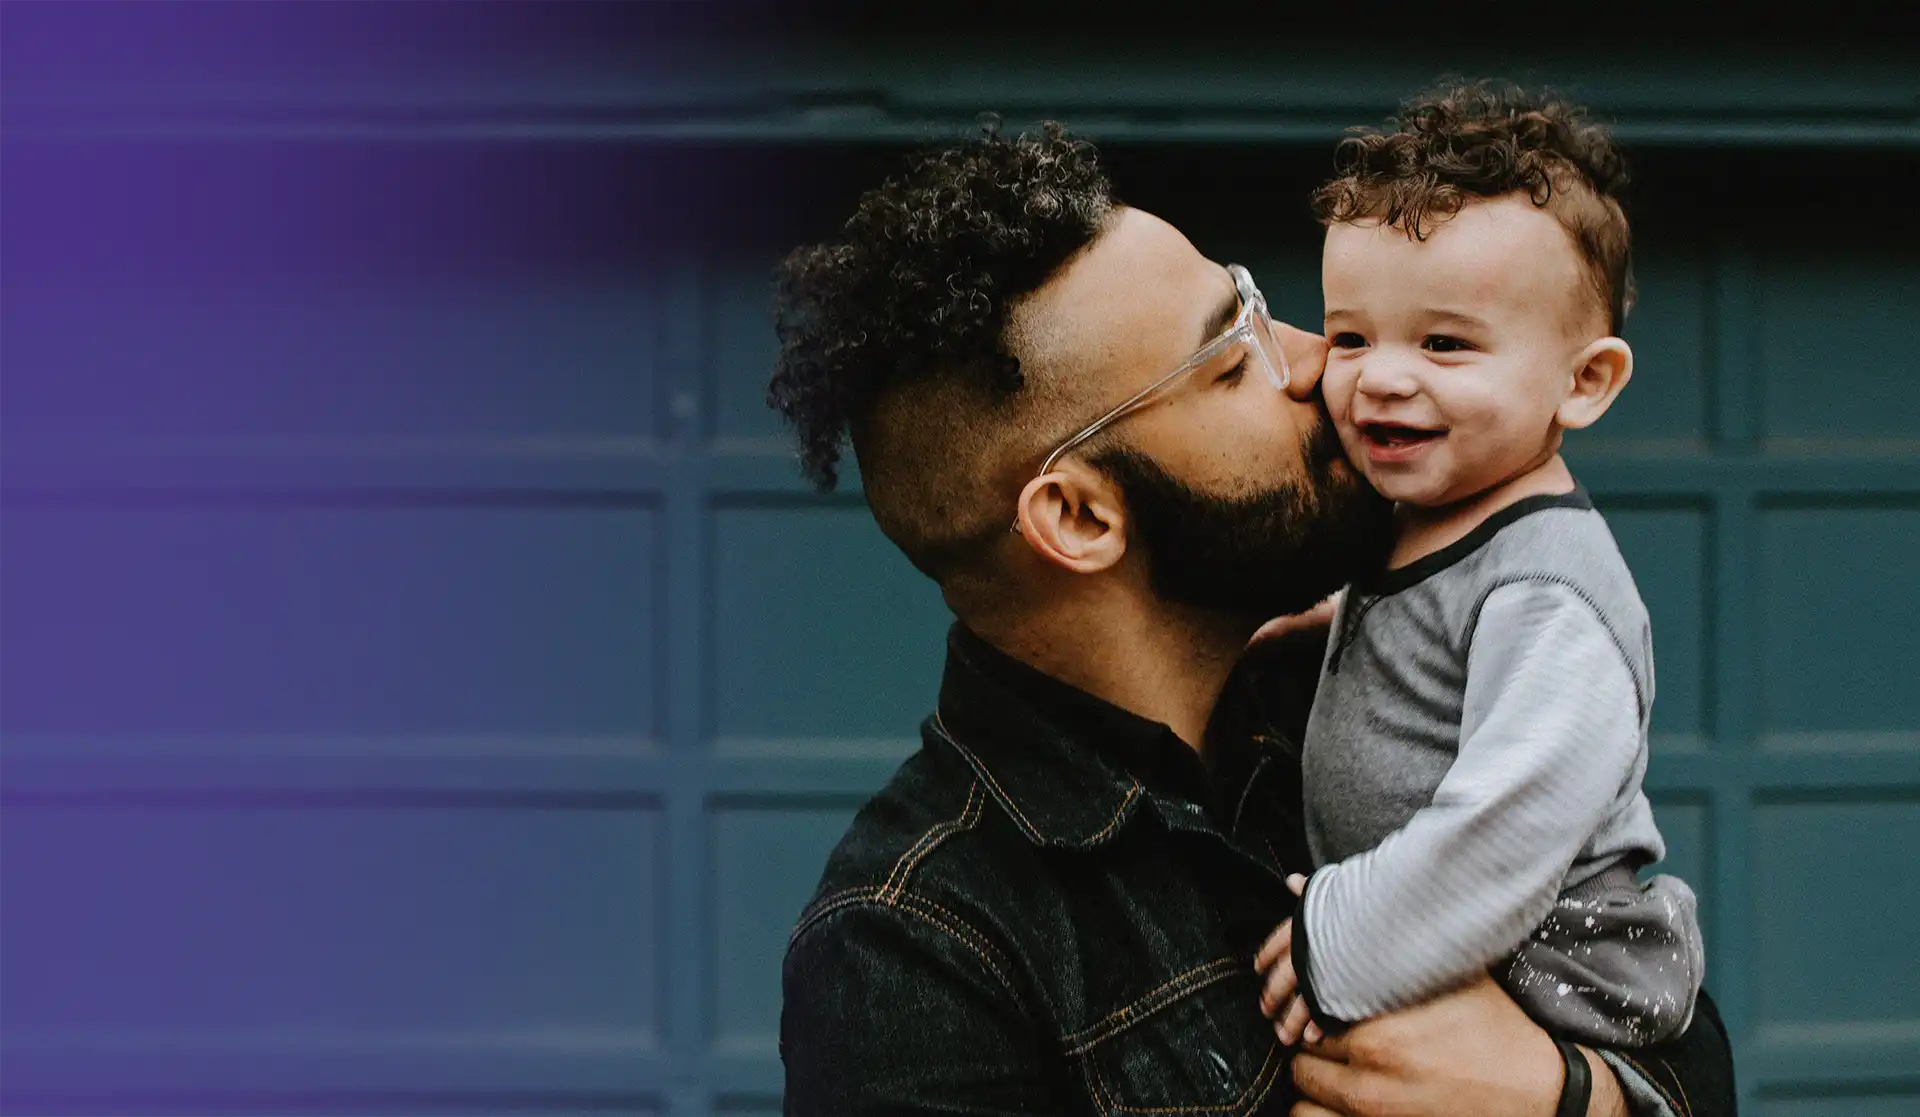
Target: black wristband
x=1578 y=1089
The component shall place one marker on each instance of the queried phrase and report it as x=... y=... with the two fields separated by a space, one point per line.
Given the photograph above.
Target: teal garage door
x=429 y=688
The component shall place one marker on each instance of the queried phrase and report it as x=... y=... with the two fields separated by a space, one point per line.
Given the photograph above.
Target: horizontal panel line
x=1868 y=773
x=1705 y=476
x=482 y=772
x=55 y=1102
x=243 y=1073
x=385 y=746
x=284 y=798
x=858 y=124
x=1817 y=1057
x=1777 y=1070
x=1894 y=1081
x=450 y=469
x=492 y=771
x=78 y=443
x=741 y=467
x=573 y=1041
x=130 y=497
x=1829 y=1034
x=1864 y=742
x=58 y=1083
x=464 y=769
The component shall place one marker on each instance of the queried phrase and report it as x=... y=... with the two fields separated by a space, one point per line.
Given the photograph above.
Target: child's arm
x=1549 y=737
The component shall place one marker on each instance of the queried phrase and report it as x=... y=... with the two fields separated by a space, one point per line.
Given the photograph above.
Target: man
x=1116 y=467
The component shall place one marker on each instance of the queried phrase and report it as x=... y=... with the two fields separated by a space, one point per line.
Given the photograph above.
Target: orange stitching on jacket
x=903 y=868
x=1685 y=1108
x=1091 y=1035
x=1270 y=1070
x=1100 y=834
x=1098 y=1087
x=1000 y=792
x=952 y=924
x=827 y=905
x=960 y=930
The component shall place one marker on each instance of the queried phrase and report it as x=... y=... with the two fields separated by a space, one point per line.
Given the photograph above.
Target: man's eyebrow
x=1223 y=316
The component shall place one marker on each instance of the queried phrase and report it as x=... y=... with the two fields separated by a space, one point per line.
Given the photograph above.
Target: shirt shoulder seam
x=1586 y=597
x=922 y=909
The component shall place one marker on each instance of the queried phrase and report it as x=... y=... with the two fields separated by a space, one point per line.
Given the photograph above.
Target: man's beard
x=1259 y=555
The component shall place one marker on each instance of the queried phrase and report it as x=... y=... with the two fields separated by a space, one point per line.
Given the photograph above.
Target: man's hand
x=1470 y=1053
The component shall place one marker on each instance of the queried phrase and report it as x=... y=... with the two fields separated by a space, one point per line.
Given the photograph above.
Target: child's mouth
x=1394 y=442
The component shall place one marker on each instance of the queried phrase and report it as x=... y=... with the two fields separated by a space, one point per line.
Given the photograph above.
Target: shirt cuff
x=1303 y=966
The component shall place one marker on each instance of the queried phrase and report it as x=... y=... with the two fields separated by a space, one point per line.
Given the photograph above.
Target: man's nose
x=1306 y=355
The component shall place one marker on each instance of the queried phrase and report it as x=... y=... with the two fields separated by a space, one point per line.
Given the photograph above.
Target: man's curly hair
x=1462 y=141
x=895 y=335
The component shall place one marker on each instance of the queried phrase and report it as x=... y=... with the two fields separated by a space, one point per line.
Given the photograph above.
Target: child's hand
x=1280 y=999
x=1320 y=616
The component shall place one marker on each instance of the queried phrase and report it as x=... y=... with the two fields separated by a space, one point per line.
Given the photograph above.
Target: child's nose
x=1384 y=377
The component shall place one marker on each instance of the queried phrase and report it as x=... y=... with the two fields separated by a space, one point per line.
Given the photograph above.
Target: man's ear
x=1602 y=370
x=1073 y=518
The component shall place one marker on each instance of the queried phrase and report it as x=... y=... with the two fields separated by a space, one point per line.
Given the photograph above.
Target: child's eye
x=1347 y=341
x=1441 y=343
x=1233 y=375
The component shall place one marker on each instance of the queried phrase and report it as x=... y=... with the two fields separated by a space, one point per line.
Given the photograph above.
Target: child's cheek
x=1336 y=387
x=1350 y=440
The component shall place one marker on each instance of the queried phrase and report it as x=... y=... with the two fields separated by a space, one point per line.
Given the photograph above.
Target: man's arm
x=1473 y=1053
x=1691 y=1075
x=898 y=1008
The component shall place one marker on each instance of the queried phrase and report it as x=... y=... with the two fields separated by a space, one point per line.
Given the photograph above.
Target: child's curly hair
x=1465 y=140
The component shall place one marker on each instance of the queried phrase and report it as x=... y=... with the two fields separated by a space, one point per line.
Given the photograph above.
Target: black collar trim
x=1420 y=569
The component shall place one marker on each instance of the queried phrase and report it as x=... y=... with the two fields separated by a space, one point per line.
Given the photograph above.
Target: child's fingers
x=1298 y=884
x=1320 y=616
x=1278 y=946
x=1313 y=1033
x=1278 y=990
x=1297 y=1020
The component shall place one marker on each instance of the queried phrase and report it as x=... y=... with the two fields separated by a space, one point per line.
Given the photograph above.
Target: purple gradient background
x=252 y=523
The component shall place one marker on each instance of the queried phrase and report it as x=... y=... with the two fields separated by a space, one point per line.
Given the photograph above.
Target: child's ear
x=1603 y=369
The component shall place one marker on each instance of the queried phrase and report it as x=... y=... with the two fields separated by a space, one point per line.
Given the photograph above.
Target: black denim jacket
x=1054 y=906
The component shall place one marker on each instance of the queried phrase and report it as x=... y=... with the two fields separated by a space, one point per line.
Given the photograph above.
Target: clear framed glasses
x=1250 y=338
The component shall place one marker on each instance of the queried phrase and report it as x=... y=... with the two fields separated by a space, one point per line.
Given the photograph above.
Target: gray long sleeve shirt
x=1476 y=749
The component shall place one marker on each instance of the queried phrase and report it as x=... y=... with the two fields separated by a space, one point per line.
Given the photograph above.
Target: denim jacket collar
x=1068 y=768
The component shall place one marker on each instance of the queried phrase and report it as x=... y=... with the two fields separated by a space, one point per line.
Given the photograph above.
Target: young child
x=1473 y=761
